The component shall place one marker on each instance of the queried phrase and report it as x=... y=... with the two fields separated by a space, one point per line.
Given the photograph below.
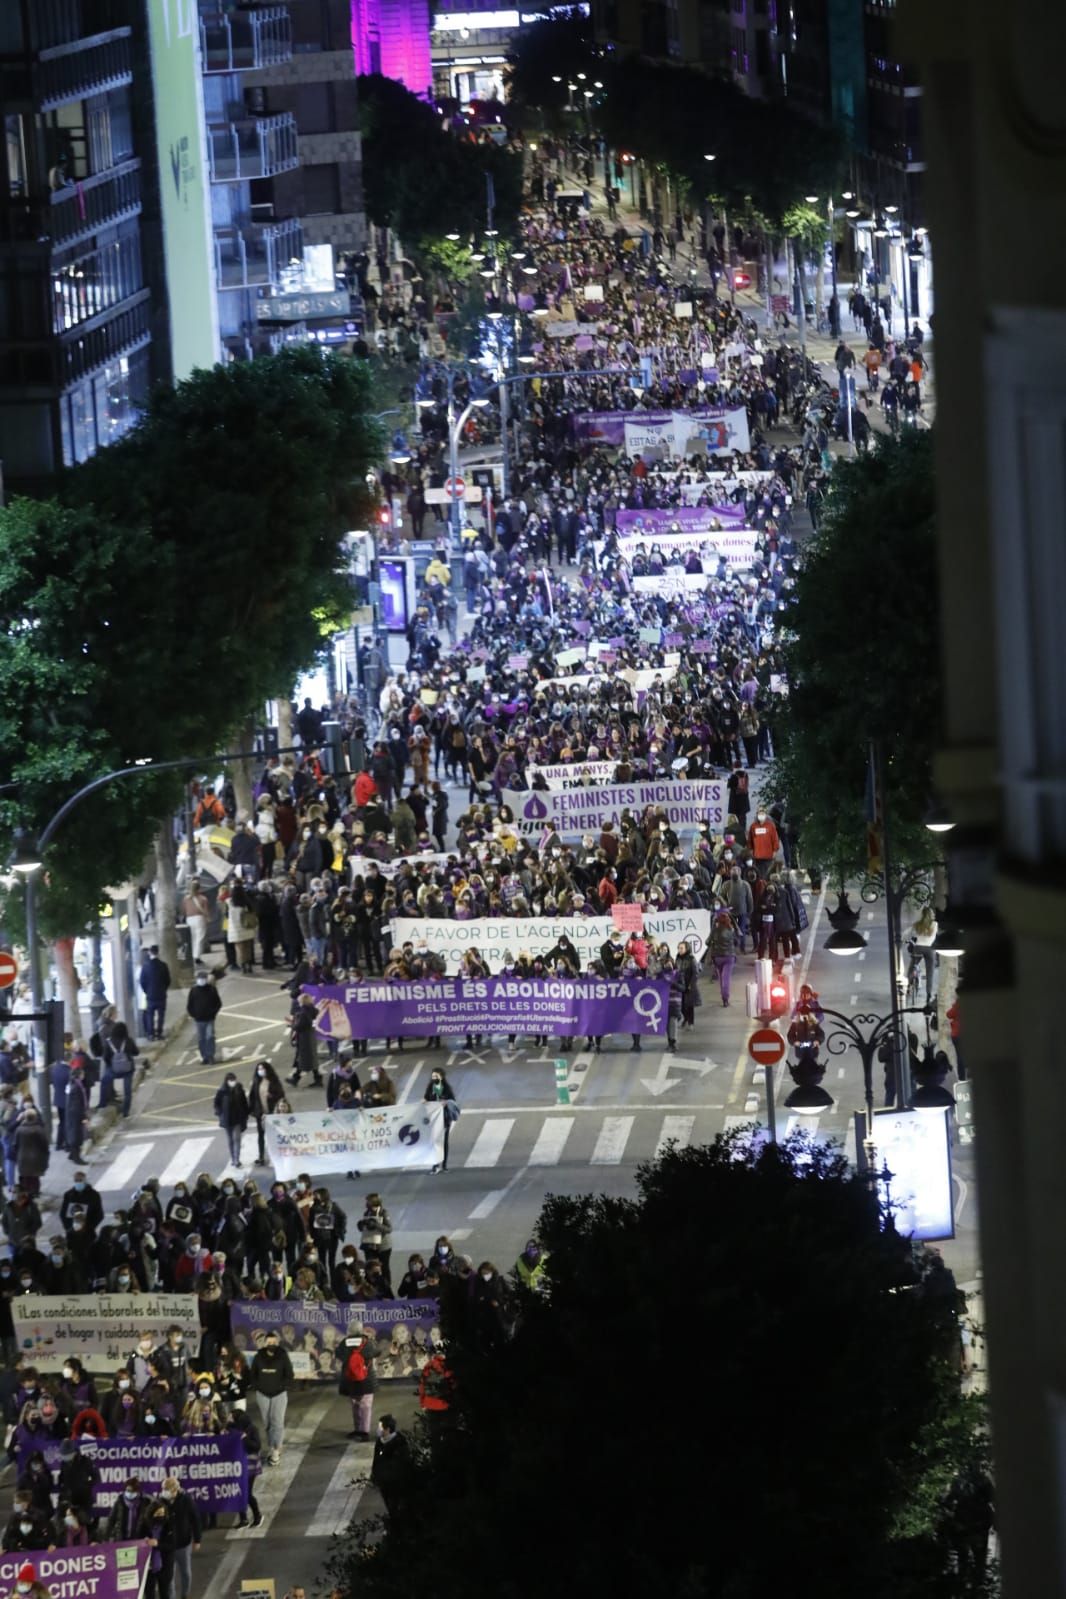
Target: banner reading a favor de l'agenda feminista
x=559 y=1005
x=390 y=1138
x=88 y=1571
x=495 y=936
x=406 y=1333
x=212 y=1468
x=576 y=811
x=101 y=1329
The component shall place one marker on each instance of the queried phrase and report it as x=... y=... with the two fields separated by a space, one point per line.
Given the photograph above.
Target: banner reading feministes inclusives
x=101 y=1329
x=567 y=1005
x=574 y=812
x=495 y=936
x=406 y=1333
x=90 y=1571
x=213 y=1469
x=390 y=1138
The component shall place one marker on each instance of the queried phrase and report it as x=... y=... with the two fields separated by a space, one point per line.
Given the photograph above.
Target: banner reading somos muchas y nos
x=573 y=812
x=101 y=1329
x=567 y=1005
x=97 y=1571
x=390 y=1138
x=495 y=936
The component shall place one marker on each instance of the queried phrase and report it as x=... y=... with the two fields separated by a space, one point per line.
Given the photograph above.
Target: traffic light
x=780 y=998
x=53 y=1031
x=385 y=516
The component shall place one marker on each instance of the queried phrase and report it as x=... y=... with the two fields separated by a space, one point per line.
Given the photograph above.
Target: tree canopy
x=735 y=1381
x=767 y=155
x=423 y=181
x=187 y=574
x=864 y=659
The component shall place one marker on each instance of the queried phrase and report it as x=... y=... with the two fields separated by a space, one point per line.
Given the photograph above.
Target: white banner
x=644 y=436
x=388 y=869
x=101 y=1329
x=567 y=329
x=495 y=936
x=390 y=1138
x=737 y=544
x=584 y=810
x=675 y=580
x=574 y=774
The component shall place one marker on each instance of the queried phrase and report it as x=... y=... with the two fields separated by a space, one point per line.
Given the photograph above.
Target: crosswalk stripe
x=346 y=1487
x=189 y=1154
x=676 y=1129
x=737 y=1121
x=551 y=1141
x=488 y=1146
x=611 y=1144
x=275 y=1482
x=123 y=1166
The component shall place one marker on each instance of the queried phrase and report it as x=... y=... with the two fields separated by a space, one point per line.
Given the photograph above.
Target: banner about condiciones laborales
x=494 y=937
x=212 y=1468
x=101 y=1329
x=406 y=1332
x=390 y=1138
x=574 y=812
x=558 y=1005
x=94 y=1571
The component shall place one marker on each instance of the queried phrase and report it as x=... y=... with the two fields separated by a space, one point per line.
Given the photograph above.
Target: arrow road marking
x=662 y=1080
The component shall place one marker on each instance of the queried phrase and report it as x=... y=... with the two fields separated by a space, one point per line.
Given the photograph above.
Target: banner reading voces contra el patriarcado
x=406 y=1332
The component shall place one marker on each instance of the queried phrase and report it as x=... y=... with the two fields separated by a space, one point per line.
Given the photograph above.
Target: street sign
x=9 y=969
x=765 y=1046
x=742 y=280
x=455 y=487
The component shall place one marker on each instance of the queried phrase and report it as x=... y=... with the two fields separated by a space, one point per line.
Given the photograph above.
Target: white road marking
x=123 y=1166
x=488 y=1146
x=275 y=1482
x=677 y=1130
x=346 y=1487
x=405 y=1092
x=611 y=1144
x=190 y=1153
x=551 y=1141
x=482 y=1211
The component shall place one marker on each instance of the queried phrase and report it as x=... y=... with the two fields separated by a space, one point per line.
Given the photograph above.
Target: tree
x=737 y=1384
x=864 y=662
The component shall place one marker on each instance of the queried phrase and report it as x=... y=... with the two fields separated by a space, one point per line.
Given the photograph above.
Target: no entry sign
x=455 y=487
x=766 y=1046
x=9 y=969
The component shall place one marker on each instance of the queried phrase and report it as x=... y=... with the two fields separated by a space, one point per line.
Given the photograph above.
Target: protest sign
x=496 y=936
x=406 y=1332
x=567 y=1005
x=568 y=657
x=628 y=918
x=705 y=427
x=736 y=544
x=86 y=1571
x=573 y=774
x=567 y=330
x=358 y=863
x=387 y=1138
x=678 y=518
x=212 y=1468
x=101 y=1329
x=575 y=811
x=517 y=663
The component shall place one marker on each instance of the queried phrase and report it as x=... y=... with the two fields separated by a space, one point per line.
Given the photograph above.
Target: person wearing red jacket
x=763 y=841
x=364 y=790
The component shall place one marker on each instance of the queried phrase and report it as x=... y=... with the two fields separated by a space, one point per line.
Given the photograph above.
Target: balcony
x=254 y=255
x=236 y=41
x=59 y=22
x=76 y=213
x=257 y=148
x=68 y=74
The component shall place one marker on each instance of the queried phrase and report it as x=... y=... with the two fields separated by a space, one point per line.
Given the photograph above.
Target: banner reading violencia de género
x=573 y=812
x=406 y=1332
x=94 y=1571
x=390 y=1138
x=568 y=1005
x=213 y=1469
x=496 y=936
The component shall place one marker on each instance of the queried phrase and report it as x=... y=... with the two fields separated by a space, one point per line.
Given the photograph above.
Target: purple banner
x=567 y=1005
x=406 y=1333
x=609 y=427
x=212 y=1468
x=691 y=519
x=90 y=1571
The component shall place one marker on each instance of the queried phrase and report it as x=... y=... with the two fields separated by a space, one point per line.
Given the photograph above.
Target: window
x=96 y=280
x=104 y=407
x=15 y=140
x=110 y=131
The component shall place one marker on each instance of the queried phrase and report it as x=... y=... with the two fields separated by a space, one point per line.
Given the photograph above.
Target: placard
x=628 y=918
x=101 y=1329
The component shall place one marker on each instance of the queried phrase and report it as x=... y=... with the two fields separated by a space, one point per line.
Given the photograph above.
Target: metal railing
x=236 y=41
x=59 y=22
x=257 y=148
x=253 y=256
x=78 y=211
x=73 y=74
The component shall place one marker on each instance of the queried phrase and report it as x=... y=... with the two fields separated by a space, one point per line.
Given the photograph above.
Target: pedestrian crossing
x=579 y=1136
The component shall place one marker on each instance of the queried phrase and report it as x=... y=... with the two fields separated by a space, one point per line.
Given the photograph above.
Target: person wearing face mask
x=200 y=1411
x=78 y=1478
x=231 y=1109
x=157 y=1527
x=440 y=1092
x=63 y=1274
x=271 y=1376
x=390 y=1471
x=81 y=1202
x=347 y=1276
x=203 y=1004
x=488 y=1303
x=27 y=1586
x=172 y=1360
x=763 y=841
x=26 y=1527
x=34 y=1479
x=190 y=1263
x=122 y=1387
x=125 y=1514
x=327 y=1224
x=305 y=1042
x=357 y=1380
x=379 y=1089
x=76 y=1387
x=443 y=1256
x=21 y=1217
x=265 y=1094
x=375 y=1234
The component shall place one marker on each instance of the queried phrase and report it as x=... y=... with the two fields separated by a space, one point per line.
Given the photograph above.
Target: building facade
x=392 y=37
x=80 y=304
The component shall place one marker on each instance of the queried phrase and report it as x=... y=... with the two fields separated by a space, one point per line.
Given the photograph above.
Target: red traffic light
x=385 y=516
x=778 y=997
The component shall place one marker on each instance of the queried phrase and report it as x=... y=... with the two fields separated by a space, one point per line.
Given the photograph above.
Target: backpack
x=356 y=1368
x=121 y=1065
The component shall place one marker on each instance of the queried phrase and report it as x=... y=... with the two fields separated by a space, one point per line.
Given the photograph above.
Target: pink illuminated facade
x=392 y=37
